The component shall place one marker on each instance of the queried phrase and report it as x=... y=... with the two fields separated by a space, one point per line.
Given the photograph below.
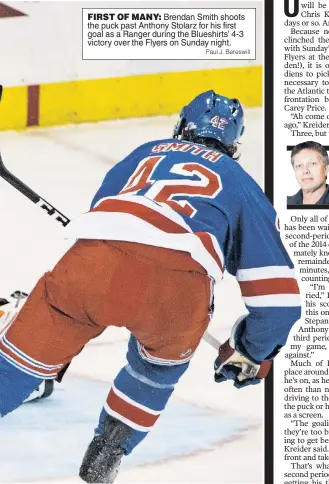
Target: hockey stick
x=32 y=195
x=210 y=339
x=60 y=217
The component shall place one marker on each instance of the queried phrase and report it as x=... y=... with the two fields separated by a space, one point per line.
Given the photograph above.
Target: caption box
x=140 y=33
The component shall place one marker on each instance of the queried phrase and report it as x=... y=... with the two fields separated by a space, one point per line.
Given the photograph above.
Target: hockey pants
x=162 y=296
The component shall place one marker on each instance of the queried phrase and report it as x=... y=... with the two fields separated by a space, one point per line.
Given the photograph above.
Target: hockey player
x=165 y=224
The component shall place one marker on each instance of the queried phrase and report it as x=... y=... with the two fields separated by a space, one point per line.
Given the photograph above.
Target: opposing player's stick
x=32 y=195
x=62 y=219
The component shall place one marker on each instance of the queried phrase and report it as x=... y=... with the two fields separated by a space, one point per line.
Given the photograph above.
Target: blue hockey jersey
x=185 y=196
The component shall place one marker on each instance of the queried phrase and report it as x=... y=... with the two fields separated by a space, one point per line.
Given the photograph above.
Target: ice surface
x=58 y=437
x=210 y=433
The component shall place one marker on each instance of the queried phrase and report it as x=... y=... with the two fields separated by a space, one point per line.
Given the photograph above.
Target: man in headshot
x=310 y=163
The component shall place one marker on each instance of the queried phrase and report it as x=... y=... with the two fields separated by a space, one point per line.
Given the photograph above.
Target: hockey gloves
x=233 y=365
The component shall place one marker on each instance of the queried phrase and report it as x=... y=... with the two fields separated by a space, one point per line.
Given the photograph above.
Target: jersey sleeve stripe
x=264 y=287
x=273 y=300
x=266 y=272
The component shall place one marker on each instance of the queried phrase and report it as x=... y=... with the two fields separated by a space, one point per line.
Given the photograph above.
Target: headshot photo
x=310 y=162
